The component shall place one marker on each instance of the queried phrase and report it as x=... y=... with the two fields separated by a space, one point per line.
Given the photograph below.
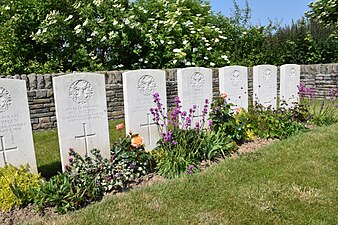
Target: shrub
x=274 y=123
x=15 y=183
x=128 y=154
x=88 y=179
x=226 y=120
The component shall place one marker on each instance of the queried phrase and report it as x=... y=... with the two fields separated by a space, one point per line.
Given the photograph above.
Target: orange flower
x=119 y=126
x=137 y=141
x=224 y=95
x=238 y=110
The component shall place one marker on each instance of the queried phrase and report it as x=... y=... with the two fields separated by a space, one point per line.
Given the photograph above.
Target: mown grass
x=48 y=153
x=292 y=181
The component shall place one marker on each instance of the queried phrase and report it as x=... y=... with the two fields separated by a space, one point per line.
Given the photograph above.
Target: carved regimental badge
x=267 y=74
x=5 y=100
x=81 y=91
x=197 y=81
x=235 y=78
x=292 y=74
x=146 y=85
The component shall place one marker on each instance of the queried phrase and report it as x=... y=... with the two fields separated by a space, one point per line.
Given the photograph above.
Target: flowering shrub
x=88 y=179
x=129 y=153
x=15 y=183
x=274 y=123
x=324 y=114
x=183 y=143
x=226 y=120
x=39 y=37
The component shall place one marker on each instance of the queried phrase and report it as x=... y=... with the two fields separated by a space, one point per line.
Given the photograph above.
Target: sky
x=282 y=11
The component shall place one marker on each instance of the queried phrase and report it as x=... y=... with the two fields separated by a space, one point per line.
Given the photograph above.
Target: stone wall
x=41 y=100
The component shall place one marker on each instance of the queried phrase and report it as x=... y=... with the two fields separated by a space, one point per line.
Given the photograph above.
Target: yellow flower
x=250 y=135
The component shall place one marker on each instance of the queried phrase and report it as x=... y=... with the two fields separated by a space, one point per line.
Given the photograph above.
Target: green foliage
x=224 y=120
x=173 y=159
x=192 y=147
x=132 y=158
x=217 y=144
x=304 y=42
x=184 y=140
x=324 y=11
x=275 y=123
x=60 y=35
x=16 y=183
x=324 y=113
x=88 y=179
x=292 y=181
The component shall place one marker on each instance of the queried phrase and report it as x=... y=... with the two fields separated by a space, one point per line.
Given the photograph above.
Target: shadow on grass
x=49 y=170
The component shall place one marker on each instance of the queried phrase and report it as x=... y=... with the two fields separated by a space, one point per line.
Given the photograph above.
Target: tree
x=324 y=11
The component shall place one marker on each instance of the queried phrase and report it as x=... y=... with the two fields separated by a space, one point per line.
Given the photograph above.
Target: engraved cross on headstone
x=85 y=135
x=199 y=115
x=148 y=125
x=4 y=150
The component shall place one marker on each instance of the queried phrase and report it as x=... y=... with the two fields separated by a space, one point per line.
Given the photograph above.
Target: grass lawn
x=48 y=153
x=293 y=181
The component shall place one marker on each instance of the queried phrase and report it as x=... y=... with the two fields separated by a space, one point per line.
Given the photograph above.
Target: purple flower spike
x=197 y=126
x=168 y=136
x=188 y=122
x=156 y=95
x=210 y=123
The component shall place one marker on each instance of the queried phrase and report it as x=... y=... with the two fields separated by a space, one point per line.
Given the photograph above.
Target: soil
x=29 y=213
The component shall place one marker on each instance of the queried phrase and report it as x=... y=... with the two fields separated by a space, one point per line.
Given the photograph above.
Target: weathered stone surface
x=138 y=89
x=41 y=93
x=32 y=81
x=194 y=87
x=16 y=141
x=290 y=79
x=265 y=85
x=233 y=80
x=40 y=81
x=324 y=80
x=81 y=112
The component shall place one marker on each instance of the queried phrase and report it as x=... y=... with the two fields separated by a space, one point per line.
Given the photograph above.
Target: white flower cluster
x=175 y=33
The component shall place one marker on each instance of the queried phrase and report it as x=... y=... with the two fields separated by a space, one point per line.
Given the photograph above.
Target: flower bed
x=182 y=147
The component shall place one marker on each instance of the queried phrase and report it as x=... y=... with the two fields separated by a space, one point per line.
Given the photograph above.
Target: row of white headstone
x=81 y=108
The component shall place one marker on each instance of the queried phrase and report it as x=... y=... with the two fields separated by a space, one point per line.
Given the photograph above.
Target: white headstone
x=233 y=80
x=138 y=89
x=16 y=140
x=265 y=85
x=289 y=80
x=81 y=113
x=194 y=85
